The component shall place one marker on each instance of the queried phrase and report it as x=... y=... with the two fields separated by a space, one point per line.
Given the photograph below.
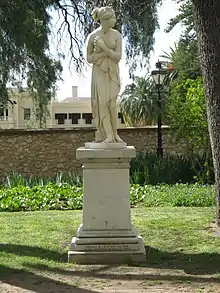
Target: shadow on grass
x=193 y=264
x=36 y=283
x=35 y=251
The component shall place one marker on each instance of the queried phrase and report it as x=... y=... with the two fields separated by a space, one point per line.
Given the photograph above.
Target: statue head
x=106 y=15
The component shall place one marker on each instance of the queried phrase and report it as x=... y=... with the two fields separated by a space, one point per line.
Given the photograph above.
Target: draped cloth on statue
x=105 y=89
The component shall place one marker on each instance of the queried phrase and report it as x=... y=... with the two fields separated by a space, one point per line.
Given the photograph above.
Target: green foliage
x=139 y=99
x=186 y=107
x=65 y=196
x=66 y=192
x=148 y=168
x=48 y=197
x=174 y=196
x=187 y=112
x=185 y=59
x=139 y=102
x=26 y=27
x=185 y=18
x=15 y=180
x=24 y=47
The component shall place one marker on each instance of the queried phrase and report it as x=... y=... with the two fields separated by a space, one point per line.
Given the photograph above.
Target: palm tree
x=169 y=61
x=138 y=102
x=183 y=59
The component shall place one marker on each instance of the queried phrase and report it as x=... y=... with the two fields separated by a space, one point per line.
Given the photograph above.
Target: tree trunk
x=207 y=22
x=41 y=113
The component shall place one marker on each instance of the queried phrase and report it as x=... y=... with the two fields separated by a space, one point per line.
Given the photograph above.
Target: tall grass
x=15 y=179
x=148 y=168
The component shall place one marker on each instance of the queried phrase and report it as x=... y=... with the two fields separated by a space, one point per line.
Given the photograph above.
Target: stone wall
x=44 y=153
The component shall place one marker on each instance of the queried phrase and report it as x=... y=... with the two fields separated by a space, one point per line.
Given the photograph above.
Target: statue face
x=112 y=21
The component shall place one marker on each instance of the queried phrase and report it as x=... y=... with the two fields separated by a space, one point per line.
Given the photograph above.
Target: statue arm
x=89 y=50
x=97 y=56
x=91 y=55
x=117 y=53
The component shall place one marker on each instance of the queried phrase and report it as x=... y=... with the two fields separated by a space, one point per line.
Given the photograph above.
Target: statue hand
x=98 y=42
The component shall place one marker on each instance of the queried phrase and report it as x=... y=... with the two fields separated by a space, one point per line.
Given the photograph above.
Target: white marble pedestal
x=106 y=234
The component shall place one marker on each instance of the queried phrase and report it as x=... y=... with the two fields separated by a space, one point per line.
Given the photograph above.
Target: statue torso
x=110 y=38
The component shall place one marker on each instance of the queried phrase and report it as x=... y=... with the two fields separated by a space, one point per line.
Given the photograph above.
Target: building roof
x=72 y=99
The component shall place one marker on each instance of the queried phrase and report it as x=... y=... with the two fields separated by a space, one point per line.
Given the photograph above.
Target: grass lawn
x=183 y=254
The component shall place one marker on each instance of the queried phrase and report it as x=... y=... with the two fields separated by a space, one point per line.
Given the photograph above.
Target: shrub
x=48 y=197
x=65 y=196
x=188 y=195
x=148 y=168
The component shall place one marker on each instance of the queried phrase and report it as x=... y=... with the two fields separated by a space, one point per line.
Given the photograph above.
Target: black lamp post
x=159 y=75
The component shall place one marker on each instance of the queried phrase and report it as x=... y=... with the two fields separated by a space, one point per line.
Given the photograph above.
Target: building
x=71 y=112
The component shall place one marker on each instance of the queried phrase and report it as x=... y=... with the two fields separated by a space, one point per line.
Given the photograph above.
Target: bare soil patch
x=87 y=279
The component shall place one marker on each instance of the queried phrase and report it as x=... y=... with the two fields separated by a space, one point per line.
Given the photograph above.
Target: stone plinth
x=102 y=145
x=106 y=234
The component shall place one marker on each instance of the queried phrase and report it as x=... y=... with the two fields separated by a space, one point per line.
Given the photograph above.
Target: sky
x=163 y=42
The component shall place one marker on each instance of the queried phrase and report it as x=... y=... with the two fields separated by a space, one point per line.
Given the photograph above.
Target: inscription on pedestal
x=106 y=247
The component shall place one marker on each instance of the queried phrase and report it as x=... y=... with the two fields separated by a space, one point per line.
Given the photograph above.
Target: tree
x=185 y=59
x=207 y=22
x=188 y=120
x=24 y=46
x=187 y=113
x=138 y=102
x=205 y=17
x=42 y=100
x=25 y=28
x=185 y=18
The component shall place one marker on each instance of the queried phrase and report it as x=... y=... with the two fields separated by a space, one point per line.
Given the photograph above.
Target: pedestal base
x=107 y=248
x=107 y=234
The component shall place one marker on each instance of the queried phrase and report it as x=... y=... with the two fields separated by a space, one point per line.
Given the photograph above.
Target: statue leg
x=108 y=129
x=97 y=118
x=114 y=119
x=99 y=133
x=98 y=136
x=104 y=128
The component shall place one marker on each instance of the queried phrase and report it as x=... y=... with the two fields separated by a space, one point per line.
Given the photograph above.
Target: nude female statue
x=104 y=50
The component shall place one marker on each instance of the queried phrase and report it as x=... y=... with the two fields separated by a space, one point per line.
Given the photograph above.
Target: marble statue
x=104 y=50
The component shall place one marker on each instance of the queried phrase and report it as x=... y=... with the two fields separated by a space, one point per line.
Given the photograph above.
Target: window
x=6 y=114
x=74 y=117
x=120 y=116
x=2 y=114
x=27 y=113
x=60 y=117
x=37 y=113
x=87 y=117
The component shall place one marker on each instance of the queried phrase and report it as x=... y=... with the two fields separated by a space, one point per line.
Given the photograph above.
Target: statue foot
x=107 y=141
x=118 y=139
